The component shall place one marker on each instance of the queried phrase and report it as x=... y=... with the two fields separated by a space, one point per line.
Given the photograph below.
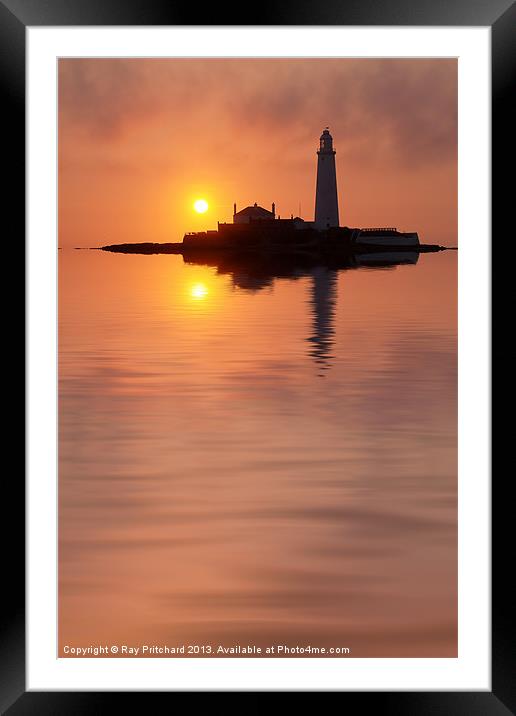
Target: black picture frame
x=500 y=15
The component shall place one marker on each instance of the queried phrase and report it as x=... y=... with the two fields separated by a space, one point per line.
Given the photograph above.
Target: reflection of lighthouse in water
x=323 y=300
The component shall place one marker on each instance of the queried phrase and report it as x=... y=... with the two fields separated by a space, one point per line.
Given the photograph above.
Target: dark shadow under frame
x=500 y=15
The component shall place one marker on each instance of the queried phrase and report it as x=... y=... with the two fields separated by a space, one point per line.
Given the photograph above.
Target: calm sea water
x=255 y=459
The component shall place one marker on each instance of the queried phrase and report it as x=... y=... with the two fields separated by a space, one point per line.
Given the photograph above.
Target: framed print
x=258 y=367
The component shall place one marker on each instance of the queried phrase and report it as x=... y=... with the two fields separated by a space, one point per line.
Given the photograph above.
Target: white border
x=471 y=671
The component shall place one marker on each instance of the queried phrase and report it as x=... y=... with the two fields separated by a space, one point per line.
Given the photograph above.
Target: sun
x=198 y=291
x=200 y=206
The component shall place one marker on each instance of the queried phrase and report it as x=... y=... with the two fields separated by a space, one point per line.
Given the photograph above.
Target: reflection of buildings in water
x=248 y=282
x=386 y=259
x=323 y=300
x=249 y=274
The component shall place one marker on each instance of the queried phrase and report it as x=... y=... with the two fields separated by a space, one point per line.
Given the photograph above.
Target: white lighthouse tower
x=326 y=201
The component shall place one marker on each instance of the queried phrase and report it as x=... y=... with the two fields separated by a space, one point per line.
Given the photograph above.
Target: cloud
x=402 y=111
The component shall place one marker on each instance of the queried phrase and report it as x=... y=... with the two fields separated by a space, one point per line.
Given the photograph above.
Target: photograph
x=262 y=357
x=257 y=357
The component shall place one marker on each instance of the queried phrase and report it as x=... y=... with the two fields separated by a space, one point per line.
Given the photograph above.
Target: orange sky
x=140 y=140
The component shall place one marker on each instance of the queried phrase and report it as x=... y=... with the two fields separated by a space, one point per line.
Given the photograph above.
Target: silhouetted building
x=386 y=236
x=252 y=213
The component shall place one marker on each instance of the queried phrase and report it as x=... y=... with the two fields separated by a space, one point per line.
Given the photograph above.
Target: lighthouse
x=326 y=200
